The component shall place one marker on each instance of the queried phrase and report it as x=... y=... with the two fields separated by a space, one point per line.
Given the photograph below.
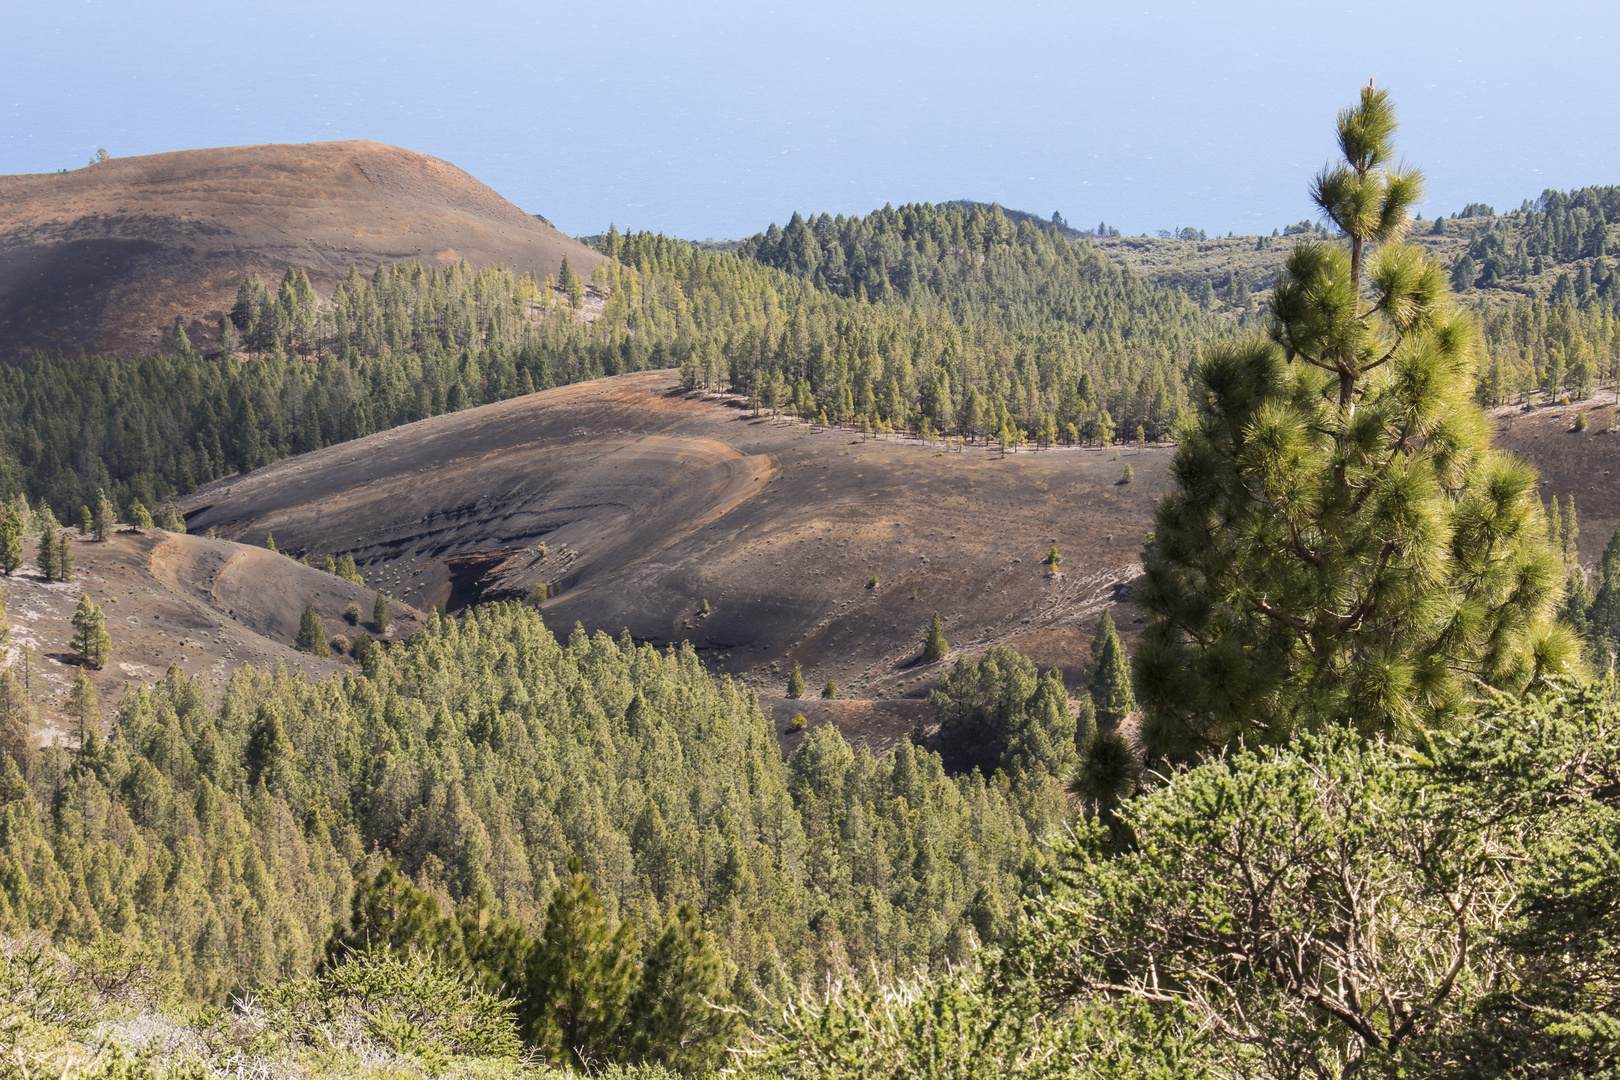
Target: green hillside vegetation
x=1043 y=338
x=1356 y=814
x=941 y=320
x=483 y=755
x=1542 y=280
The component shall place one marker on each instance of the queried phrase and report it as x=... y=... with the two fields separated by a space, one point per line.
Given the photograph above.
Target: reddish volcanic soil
x=107 y=257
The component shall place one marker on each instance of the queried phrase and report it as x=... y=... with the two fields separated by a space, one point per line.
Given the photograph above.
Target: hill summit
x=107 y=258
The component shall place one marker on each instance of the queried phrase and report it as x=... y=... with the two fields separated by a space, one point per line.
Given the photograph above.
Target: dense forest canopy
x=483 y=754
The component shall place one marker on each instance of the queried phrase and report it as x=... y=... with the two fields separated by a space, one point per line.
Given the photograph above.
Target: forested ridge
x=946 y=320
x=1029 y=336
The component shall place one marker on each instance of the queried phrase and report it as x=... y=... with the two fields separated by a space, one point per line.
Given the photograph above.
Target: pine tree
x=379 y=613
x=1342 y=545
x=1085 y=721
x=266 y=756
x=935 y=647
x=64 y=557
x=86 y=522
x=11 y=543
x=45 y=553
x=1603 y=615
x=1110 y=677
x=1044 y=734
x=90 y=638
x=578 y=978
x=795 y=686
x=83 y=705
x=388 y=912
x=830 y=691
x=1570 y=534
x=139 y=517
x=1107 y=775
x=270 y=543
x=17 y=720
x=311 y=633
x=103 y=517
x=678 y=1016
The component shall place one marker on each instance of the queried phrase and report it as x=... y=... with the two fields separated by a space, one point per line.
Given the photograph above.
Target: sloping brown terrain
x=632 y=504
x=106 y=258
x=1583 y=464
x=649 y=502
x=207 y=605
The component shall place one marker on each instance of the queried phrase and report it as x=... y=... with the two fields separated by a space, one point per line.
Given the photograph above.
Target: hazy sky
x=714 y=119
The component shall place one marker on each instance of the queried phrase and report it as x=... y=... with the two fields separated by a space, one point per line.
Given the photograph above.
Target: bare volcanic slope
x=107 y=257
x=649 y=502
x=1576 y=461
x=206 y=605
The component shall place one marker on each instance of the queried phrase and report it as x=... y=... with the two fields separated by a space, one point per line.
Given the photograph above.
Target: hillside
x=1495 y=259
x=106 y=258
x=205 y=605
x=650 y=501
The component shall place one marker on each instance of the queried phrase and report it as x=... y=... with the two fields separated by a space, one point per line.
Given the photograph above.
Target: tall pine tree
x=11 y=545
x=1110 y=681
x=1342 y=545
x=678 y=1016
x=90 y=638
x=311 y=633
x=579 y=977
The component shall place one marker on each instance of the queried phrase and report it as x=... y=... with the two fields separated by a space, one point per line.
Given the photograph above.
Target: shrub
x=383 y=1003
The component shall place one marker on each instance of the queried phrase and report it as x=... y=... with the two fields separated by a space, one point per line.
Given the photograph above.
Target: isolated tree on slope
x=311 y=633
x=45 y=553
x=1342 y=545
x=935 y=647
x=83 y=705
x=11 y=545
x=90 y=638
x=102 y=518
x=1110 y=681
x=64 y=557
